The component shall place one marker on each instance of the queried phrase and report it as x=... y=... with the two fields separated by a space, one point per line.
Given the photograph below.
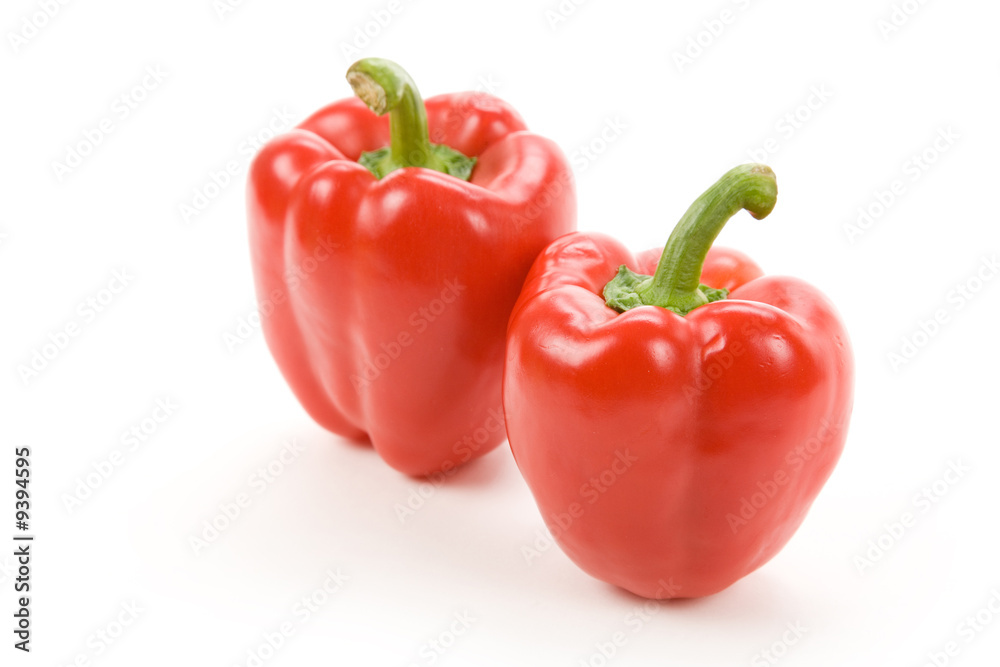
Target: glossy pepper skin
x=385 y=300
x=672 y=455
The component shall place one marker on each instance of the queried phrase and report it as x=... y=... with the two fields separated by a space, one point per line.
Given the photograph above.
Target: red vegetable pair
x=672 y=427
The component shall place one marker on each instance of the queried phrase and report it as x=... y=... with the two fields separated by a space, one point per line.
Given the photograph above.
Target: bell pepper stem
x=676 y=283
x=385 y=87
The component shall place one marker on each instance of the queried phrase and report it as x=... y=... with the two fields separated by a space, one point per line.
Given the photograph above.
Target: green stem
x=676 y=284
x=386 y=88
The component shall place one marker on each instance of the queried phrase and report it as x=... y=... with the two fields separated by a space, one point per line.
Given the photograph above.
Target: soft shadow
x=477 y=473
x=759 y=594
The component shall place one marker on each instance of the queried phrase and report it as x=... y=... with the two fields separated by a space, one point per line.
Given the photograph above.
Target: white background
x=670 y=129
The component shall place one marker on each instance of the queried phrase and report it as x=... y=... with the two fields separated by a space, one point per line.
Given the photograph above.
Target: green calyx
x=622 y=292
x=386 y=88
x=676 y=284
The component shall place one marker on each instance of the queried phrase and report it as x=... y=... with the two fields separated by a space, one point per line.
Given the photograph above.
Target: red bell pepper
x=387 y=266
x=674 y=429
